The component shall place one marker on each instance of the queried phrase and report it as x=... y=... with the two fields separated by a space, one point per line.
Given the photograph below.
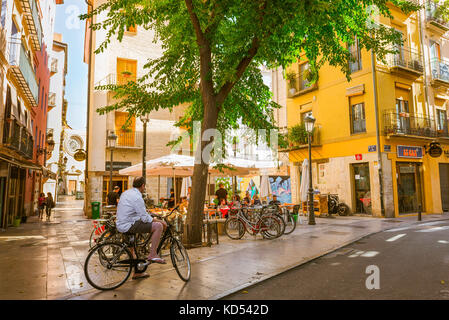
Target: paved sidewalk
x=43 y=260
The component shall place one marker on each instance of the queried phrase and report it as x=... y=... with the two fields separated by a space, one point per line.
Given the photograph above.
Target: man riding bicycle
x=132 y=217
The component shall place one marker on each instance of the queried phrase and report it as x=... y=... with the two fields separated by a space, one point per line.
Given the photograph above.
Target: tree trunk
x=199 y=182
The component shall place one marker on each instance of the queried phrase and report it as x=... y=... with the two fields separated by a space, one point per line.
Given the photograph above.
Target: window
x=356 y=59
x=303 y=73
x=305 y=114
x=132 y=29
x=42 y=95
x=358 y=124
x=441 y=120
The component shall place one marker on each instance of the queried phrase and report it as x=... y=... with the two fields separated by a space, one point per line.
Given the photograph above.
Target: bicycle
x=109 y=264
x=267 y=225
x=290 y=222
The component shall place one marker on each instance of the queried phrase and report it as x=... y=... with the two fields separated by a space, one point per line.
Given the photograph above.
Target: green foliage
x=298 y=134
x=222 y=43
x=440 y=10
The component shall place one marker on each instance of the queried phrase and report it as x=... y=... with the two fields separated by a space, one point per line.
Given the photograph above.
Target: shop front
x=410 y=187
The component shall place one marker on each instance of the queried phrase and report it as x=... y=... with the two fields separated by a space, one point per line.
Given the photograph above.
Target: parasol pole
x=174 y=183
x=158 y=189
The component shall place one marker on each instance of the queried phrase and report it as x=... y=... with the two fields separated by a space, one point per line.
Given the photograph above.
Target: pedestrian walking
x=50 y=205
x=41 y=205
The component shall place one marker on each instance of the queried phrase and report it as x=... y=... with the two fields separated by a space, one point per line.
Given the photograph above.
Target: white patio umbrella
x=265 y=187
x=304 y=187
x=186 y=183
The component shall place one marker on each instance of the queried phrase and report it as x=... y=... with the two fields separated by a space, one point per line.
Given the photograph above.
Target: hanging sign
x=80 y=155
x=434 y=150
x=409 y=152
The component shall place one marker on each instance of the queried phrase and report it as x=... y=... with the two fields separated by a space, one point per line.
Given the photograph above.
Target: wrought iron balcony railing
x=405 y=58
x=434 y=16
x=18 y=138
x=404 y=123
x=132 y=139
x=440 y=70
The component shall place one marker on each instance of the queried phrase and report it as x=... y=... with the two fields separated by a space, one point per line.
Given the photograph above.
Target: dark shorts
x=141 y=227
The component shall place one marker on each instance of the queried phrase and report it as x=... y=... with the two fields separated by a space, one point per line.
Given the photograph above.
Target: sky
x=72 y=29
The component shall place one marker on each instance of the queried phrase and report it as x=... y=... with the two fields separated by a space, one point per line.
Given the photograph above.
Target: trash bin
x=95 y=210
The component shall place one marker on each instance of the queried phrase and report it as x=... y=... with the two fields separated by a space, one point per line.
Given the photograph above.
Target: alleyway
x=44 y=260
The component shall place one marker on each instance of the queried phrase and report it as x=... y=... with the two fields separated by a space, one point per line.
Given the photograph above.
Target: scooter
x=335 y=206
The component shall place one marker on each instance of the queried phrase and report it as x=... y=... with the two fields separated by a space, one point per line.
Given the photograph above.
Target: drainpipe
x=423 y=61
x=379 y=154
x=86 y=170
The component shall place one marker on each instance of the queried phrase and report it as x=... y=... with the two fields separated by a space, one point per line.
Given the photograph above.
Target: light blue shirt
x=131 y=208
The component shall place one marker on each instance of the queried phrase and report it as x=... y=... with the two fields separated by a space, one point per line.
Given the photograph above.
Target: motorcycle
x=335 y=206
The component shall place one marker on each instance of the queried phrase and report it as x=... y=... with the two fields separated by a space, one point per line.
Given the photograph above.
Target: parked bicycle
x=269 y=225
x=110 y=263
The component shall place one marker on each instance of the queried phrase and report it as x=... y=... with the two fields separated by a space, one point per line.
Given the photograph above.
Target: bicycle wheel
x=108 y=266
x=290 y=222
x=180 y=259
x=234 y=228
x=95 y=236
x=270 y=227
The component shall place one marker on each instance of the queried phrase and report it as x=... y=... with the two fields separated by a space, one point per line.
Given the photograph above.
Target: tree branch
x=201 y=40
x=244 y=63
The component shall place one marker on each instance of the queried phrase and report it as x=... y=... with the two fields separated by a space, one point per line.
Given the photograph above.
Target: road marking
x=396 y=237
x=443 y=241
x=434 y=229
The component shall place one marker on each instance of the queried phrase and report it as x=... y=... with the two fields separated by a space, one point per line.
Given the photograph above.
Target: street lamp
x=145 y=118
x=309 y=122
x=111 y=141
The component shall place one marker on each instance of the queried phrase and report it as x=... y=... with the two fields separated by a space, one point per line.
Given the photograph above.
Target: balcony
x=54 y=66
x=301 y=141
x=406 y=62
x=299 y=85
x=33 y=22
x=18 y=138
x=114 y=79
x=129 y=140
x=409 y=124
x=3 y=42
x=440 y=72
x=434 y=19
x=51 y=100
x=23 y=72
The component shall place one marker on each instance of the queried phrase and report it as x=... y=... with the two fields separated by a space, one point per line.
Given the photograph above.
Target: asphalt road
x=406 y=263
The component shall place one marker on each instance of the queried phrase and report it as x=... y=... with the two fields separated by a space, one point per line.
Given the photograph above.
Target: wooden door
x=126 y=70
x=125 y=137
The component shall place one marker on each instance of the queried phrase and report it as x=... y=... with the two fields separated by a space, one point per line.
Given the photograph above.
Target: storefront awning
x=24 y=165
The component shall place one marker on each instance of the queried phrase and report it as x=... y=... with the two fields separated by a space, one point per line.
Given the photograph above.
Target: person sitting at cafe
x=235 y=201
x=223 y=208
x=247 y=199
x=171 y=201
x=275 y=201
x=256 y=201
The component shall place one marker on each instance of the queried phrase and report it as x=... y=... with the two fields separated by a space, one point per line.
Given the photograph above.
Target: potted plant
x=126 y=74
x=16 y=221
x=298 y=134
x=291 y=79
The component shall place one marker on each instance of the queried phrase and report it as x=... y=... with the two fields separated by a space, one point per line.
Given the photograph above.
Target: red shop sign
x=358 y=157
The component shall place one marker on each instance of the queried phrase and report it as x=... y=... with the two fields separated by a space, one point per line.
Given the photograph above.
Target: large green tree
x=212 y=50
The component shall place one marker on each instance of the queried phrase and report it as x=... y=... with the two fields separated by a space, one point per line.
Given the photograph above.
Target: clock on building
x=73 y=143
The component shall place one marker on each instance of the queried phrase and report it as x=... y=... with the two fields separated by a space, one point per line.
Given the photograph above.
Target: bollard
x=419 y=213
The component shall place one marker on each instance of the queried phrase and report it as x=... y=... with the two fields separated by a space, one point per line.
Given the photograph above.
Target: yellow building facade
x=372 y=138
